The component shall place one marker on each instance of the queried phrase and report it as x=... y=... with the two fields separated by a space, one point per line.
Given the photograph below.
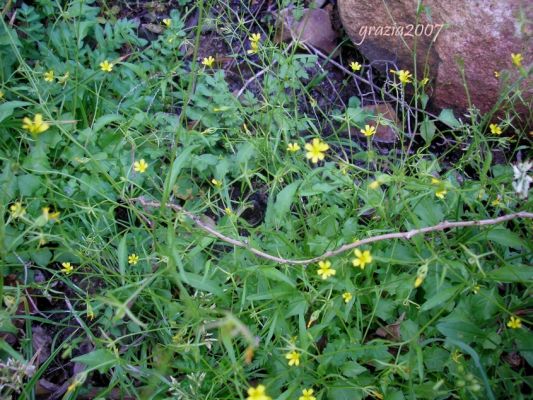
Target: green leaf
x=105 y=120
x=100 y=359
x=6 y=109
x=28 y=184
x=41 y=256
x=276 y=275
x=505 y=238
x=201 y=283
x=122 y=258
x=439 y=299
x=177 y=165
x=427 y=130
x=446 y=116
x=285 y=198
x=512 y=273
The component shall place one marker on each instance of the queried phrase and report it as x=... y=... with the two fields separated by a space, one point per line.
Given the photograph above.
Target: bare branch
x=407 y=235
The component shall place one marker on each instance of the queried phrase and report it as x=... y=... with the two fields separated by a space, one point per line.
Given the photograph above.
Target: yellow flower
x=255 y=38
x=418 y=281
x=355 y=66
x=424 y=81
x=495 y=202
x=258 y=393
x=514 y=323
x=517 y=59
x=435 y=181
x=362 y=258
x=374 y=185
x=17 y=211
x=133 y=259
x=347 y=296
x=307 y=394
x=496 y=74
x=106 y=66
x=228 y=211
x=67 y=268
x=293 y=147
x=440 y=193
x=254 y=43
x=294 y=358
x=404 y=75
x=315 y=150
x=140 y=166
x=216 y=183
x=325 y=270
x=50 y=216
x=167 y=22
x=495 y=129
x=49 y=76
x=36 y=126
x=368 y=131
x=208 y=61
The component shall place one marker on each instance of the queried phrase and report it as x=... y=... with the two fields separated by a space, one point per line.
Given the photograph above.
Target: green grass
x=197 y=317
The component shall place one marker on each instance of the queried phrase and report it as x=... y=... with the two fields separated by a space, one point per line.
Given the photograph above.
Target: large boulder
x=478 y=36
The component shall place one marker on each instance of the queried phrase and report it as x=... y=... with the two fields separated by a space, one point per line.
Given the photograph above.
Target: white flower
x=521 y=179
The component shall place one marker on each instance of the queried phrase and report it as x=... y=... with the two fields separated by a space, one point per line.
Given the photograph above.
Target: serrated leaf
x=439 y=299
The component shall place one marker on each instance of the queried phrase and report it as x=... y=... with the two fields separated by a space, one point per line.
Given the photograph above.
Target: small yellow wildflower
x=293 y=357
x=418 y=281
x=17 y=211
x=368 y=131
x=315 y=150
x=347 y=296
x=258 y=393
x=216 y=183
x=362 y=258
x=374 y=185
x=255 y=38
x=514 y=323
x=293 y=147
x=73 y=386
x=140 y=166
x=67 y=268
x=441 y=193
x=495 y=129
x=404 y=76
x=307 y=394
x=456 y=356
x=496 y=74
x=50 y=216
x=228 y=211
x=133 y=259
x=208 y=61
x=167 y=22
x=36 y=126
x=325 y=270
x=49 y=76
x=424 y=81
x=495 y=202
x=517 y=59
x=106 y=66
x=355 y=66
x=254 y=43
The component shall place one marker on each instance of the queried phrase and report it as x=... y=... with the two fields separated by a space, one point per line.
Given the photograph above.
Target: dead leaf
x=314 y=28
x=153 y=28
x=41 y=341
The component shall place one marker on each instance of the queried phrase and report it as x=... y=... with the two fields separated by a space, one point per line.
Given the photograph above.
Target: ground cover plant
x=195 y=209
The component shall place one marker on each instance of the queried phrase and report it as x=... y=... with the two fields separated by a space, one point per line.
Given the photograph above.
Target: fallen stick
x=344 y=248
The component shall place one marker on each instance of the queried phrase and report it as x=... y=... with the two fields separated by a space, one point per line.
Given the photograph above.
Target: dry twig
x=387 y=236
